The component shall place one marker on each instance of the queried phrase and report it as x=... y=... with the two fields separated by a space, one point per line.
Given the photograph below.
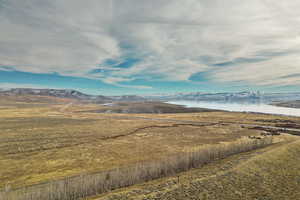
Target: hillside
x=67 y=93
x=270 y=173
x=147 y=107
x=289 y=104
x=60 y=93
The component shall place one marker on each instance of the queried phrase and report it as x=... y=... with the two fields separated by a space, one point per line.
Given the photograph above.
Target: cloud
x=119 y=81
x=280 y=70
x=256 y=41
x=19 y=85
x=55 y=36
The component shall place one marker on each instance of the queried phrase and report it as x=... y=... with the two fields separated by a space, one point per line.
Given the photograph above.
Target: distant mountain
x=61 y=93
x=71 y=94
x=194 y=96
x=200 y=96
x=288 y=104
x=128 y=98
x=227 y=96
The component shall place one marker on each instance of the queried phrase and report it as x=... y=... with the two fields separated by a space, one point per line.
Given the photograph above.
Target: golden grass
x=232 y=117
x=269 y=173
x=41 y=143
x=49 y=139
x=91 y=184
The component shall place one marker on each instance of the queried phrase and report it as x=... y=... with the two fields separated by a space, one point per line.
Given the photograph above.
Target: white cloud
x=55 y=36
x=173 y=38
x=282 y=70
x=19 y=85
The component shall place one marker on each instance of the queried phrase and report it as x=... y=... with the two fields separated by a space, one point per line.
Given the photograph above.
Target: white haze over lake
x=239 y=107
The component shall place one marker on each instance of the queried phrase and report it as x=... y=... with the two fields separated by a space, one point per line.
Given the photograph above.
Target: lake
x=240 y=107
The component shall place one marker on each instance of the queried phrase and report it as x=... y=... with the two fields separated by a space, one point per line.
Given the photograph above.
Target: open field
x=44 y=139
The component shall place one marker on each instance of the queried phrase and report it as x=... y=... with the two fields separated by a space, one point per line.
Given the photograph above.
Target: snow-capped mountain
x=194 y=96
x=228 y=96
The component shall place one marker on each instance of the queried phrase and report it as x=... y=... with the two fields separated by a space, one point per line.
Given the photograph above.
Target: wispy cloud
x=281 y=70
x=19 y=85
x=255 y=42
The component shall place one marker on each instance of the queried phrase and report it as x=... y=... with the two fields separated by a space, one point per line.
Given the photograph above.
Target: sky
x=114 y=47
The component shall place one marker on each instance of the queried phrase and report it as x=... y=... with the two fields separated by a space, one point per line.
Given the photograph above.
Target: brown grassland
x=44 y=139
x=271 y=173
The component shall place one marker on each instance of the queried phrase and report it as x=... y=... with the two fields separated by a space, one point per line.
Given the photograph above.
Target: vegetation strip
x=82 y=186
x=253 y=174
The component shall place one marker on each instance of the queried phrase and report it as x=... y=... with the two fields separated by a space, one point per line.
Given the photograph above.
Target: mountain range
x=195 y=96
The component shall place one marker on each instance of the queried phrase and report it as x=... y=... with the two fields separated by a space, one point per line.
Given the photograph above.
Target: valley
x=45 y=140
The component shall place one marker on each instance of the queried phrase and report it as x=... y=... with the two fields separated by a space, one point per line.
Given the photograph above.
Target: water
x=240 y=107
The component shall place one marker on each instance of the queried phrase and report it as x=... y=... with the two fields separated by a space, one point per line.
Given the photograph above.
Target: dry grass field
x=45 y=138
x=271 y=173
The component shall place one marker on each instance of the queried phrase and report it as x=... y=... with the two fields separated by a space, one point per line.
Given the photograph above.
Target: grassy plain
x=45 y=138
